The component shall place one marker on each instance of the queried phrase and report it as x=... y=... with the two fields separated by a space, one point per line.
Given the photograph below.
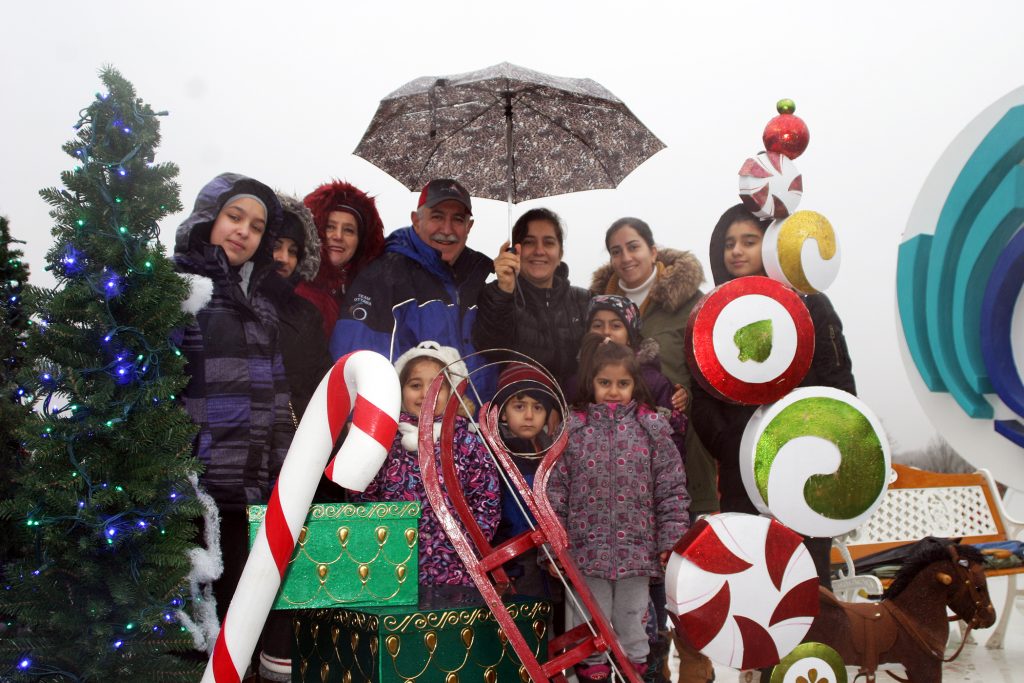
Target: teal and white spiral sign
x=959 y=280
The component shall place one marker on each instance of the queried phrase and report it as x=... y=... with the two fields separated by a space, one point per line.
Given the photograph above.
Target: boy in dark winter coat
x=525 y=399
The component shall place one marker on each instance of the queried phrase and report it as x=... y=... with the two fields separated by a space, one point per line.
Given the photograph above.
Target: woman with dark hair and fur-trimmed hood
x=351 y=236
x=735 y=251
x=297 y=260
x=665 y=285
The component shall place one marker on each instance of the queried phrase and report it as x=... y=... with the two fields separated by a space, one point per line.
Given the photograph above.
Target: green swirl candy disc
x=810 y=663
x=817 y=460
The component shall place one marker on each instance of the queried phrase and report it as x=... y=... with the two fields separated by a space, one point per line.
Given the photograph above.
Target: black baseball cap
x=443 y=189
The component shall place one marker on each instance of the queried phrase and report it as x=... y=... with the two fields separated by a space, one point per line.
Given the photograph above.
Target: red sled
x=485 y=562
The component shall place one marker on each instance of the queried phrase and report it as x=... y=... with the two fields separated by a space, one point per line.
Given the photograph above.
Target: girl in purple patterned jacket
x=400 y=479
x=620 y=491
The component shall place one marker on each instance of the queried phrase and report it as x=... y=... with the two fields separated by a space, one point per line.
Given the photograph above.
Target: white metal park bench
x=919 y=503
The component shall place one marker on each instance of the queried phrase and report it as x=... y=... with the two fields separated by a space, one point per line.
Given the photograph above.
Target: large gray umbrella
x=506 y=132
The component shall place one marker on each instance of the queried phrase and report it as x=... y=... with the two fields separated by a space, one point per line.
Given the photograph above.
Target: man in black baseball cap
x=424 y=287
x=444 y=217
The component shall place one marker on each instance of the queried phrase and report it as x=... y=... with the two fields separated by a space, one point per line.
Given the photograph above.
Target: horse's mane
x=922 y=554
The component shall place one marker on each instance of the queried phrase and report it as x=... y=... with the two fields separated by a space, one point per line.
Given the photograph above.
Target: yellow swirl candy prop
x=817 y=460
x=802 y=252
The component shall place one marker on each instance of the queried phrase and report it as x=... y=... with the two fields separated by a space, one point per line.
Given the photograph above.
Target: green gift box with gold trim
x=449 y=637
x=351 y=554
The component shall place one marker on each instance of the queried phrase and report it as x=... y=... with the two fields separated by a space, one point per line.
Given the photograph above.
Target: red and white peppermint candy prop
x=770 y=185
x=750 y=341
x=742 y=589
x=364 y=384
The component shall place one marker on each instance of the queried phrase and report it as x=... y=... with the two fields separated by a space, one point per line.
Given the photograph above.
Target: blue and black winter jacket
x=410 y=295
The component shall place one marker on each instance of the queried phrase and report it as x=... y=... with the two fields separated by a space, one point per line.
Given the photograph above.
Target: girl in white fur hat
x=399 y=477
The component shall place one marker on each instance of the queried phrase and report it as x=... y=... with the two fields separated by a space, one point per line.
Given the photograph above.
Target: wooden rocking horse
x=909 y=625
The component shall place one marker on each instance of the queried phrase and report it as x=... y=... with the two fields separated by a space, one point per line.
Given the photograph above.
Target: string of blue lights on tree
x=104 y=511
x=13 y=278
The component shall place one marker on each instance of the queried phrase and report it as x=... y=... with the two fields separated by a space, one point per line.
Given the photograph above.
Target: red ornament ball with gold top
x=786 y=133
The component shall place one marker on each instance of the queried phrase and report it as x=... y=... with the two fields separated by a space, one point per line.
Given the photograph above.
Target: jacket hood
x=194 y=231
x=339 y=195
x=309 y=259
x=406 y=242
x=681 y=279
x=716 y=247
x=469 y=265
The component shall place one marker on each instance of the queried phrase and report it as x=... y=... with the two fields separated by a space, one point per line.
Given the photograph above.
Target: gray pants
x=624 y=602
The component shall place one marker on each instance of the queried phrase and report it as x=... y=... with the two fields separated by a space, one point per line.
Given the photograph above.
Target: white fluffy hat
x=445 y=355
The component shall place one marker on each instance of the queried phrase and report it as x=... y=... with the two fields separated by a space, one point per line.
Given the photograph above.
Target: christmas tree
x=104 y=505
x=13 y=277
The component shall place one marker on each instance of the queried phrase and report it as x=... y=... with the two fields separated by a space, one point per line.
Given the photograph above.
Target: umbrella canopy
x=506 y=132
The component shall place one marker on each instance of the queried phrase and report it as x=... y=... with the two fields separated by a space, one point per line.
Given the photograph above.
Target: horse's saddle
x=872 y=628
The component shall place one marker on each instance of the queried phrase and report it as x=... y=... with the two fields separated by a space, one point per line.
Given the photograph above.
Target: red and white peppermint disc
x=742 y=589
x=750 y=341
x=770 y=185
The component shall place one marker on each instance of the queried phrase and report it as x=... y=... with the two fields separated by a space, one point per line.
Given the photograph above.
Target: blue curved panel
x=1011 y=429
x=992 y=228
x=990 y=163
x=997 y=307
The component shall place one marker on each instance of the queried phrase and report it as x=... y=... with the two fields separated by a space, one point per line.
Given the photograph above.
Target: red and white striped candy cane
x=363 y=383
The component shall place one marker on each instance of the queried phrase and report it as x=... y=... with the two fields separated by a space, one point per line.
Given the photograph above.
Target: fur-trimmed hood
x=682 y=277
x=309 y=259
x=339 y=195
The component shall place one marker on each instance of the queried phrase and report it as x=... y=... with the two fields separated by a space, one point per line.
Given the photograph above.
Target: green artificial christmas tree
x=104 y=504
x=13 y=278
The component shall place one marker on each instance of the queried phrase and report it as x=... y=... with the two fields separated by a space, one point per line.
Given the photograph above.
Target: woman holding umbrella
x=531 y=307
x=351 y=235
x=665 y=285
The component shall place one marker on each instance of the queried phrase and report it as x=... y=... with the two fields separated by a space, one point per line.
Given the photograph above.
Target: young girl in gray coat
x=620 y=491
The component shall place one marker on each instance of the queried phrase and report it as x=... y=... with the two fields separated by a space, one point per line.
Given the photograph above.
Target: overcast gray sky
x=283 y=92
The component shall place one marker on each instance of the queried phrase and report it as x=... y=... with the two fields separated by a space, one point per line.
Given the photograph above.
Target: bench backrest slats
x=920 y=503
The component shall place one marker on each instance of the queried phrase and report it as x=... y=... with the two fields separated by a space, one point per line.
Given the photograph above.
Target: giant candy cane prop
x=363 y=383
